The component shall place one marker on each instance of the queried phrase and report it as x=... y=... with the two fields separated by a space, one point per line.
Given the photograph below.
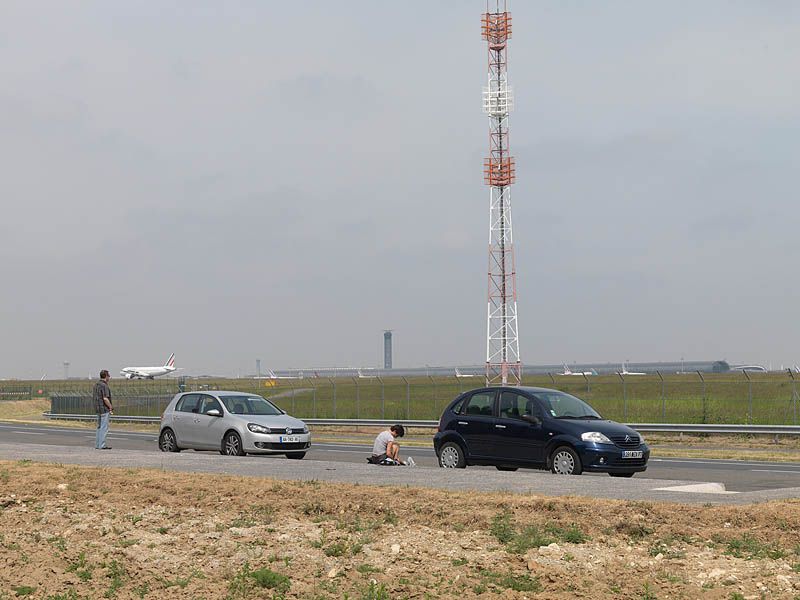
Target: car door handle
x=463 y=422
x=500 y=426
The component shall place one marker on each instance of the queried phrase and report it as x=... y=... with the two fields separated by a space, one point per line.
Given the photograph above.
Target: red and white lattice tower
x=503 y=365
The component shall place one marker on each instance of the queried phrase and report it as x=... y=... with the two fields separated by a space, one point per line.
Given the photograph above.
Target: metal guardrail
x=643 y=427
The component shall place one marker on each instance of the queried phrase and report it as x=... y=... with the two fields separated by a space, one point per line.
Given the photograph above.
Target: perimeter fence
x=732 y=398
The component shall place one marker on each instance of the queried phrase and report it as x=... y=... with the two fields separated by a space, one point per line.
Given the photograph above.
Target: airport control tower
x=503 y=365
x=387 y=349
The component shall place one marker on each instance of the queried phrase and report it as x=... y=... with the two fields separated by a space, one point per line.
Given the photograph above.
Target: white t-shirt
x=383 y=439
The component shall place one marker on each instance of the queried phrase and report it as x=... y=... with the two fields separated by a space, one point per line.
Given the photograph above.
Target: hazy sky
x=283 y=181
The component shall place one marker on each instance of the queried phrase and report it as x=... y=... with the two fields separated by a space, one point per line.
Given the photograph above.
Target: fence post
x=794 y=397
x=663 y=398
x=313 y=401
x=383 y=399
x=705 y=409
x=333 y=383
x=292 y=386
x=408 y=398
x=624 y=398
x=358 y=398
x=434 y=394
x=552 y=379
x=588 y=386
x=749 y=397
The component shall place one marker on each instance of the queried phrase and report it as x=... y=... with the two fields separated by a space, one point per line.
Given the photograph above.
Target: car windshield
x=249 y=405
x=564 y=406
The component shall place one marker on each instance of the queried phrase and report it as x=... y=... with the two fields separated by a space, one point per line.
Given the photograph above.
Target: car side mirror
x=532 y=419
x=214 y=412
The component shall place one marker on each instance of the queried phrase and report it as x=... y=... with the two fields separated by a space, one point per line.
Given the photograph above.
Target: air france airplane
x=149 y=372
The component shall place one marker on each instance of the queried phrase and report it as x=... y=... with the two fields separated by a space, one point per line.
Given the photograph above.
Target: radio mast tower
x=503 y=366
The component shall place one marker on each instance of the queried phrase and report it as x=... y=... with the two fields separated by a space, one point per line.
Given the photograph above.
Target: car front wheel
x=167 y=441
x=621 y=474
x=232 y=445
x=565 y=461
x=452 y=456
x=295 y=455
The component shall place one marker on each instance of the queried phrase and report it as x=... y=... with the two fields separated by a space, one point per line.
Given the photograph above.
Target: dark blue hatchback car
x=537 y=428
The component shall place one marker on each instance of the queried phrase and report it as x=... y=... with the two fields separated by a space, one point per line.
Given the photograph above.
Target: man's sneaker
x=106 y=448
x=410 y=462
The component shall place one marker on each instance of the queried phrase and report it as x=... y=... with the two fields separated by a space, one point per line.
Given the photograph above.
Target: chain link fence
x=733 y=398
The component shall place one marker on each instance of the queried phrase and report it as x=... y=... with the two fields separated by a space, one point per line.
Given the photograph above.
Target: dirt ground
x=69 y=532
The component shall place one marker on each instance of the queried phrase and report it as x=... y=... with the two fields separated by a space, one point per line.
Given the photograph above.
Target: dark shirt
x=101 y=390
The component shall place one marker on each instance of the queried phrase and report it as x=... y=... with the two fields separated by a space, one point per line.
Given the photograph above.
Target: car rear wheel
x=452 y=456
x=232 y=445
x=565 y=461
x=167 y=441
x=621 y=474
x=505 y=468
x=295 y=455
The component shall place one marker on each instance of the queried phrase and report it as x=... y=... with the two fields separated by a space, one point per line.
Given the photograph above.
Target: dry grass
x=77 y=532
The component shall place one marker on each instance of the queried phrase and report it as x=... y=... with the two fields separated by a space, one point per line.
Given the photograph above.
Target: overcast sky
x=283 y=181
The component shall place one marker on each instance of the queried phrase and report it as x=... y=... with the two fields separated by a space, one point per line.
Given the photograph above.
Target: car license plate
x=631 y=454
x=288 y=439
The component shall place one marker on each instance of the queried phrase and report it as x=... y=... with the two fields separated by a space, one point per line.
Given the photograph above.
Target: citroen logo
x=627 y=437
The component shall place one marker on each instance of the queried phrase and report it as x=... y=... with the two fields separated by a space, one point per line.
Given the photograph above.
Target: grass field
x=717 y=398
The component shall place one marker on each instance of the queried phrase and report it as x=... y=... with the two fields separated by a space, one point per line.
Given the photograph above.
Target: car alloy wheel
x=452 y=456
x=167 y=442
x=565 y=462
x=232 y=445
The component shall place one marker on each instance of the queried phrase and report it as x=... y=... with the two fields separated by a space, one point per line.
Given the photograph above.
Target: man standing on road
x=104 y=409
x=385 y=446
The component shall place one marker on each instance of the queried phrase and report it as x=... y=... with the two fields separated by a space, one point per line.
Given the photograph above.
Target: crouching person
x=386 y=447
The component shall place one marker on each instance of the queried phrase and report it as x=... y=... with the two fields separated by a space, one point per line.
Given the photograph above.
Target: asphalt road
x=752 y=480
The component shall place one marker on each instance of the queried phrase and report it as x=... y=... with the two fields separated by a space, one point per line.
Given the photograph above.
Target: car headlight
x=596 y=437
x=305 y=428
x=641 y=438
x=256 y=428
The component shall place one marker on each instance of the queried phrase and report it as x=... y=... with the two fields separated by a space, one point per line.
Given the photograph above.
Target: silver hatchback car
x=235 y=423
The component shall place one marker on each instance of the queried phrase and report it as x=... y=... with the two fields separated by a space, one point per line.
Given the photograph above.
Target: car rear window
x=480 y=404
x=188 y=403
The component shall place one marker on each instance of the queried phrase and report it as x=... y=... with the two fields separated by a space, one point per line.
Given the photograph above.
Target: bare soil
x=70 y=532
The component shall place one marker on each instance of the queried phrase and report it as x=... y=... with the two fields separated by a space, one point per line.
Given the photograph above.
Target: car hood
x=605 y=427
x=276 y=421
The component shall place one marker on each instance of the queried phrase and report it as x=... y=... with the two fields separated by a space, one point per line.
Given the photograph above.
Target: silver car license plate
x=631 y=454
x=288 y=439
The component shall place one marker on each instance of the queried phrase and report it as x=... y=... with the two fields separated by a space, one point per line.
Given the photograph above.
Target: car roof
x=524 y=388
x=220 y=393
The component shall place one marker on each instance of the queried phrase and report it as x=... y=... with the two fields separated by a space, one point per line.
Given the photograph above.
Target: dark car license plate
x=631 y=454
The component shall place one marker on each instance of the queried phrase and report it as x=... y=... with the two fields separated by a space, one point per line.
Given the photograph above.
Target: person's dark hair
x=103 y=374
x=398 y=429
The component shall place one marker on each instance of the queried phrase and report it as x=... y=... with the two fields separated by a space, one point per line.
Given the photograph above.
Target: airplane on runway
x=626 y=372
x=150 y=372
x=567 y=371
x=750 y=368
x=460 y=374
x=271 y=375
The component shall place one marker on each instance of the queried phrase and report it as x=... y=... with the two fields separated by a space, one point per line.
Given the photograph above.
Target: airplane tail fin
x=170 y=361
